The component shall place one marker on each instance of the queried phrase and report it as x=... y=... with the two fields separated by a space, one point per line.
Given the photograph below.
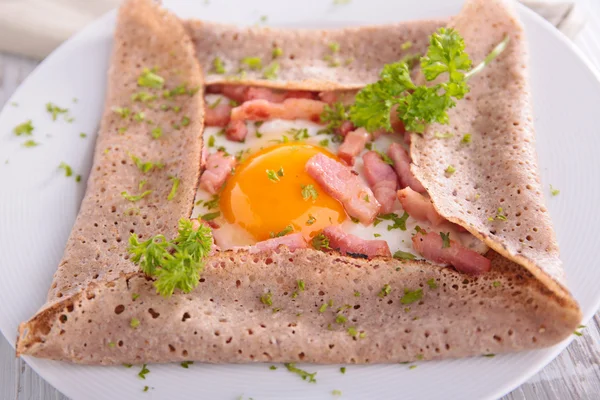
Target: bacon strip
x=217 y=116
x=430 y=246
x=352 y=245
x=235 y=92
x=341 y=184
x=293 y=241
x=236 y=131
x=354 y=143
x=290 y=109
x=218 y=168
x=401 y=161
x=419 y=207
x=382 y=179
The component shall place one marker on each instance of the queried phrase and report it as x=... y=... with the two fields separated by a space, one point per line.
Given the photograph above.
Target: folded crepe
x=522 y=303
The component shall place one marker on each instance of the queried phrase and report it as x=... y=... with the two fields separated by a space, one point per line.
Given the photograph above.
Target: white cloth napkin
x=36 y=27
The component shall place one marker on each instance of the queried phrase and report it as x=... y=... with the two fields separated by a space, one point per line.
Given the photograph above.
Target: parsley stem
x=500 y=47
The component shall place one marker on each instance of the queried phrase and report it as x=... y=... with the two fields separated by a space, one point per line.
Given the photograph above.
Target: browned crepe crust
x=224 y=320
x=146 y=36
x=499 y=168
x=304 y=64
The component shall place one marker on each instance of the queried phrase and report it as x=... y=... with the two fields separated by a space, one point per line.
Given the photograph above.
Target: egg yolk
x=265 y=194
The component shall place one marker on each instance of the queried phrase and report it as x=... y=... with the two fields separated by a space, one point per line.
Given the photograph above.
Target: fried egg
x=255 y=205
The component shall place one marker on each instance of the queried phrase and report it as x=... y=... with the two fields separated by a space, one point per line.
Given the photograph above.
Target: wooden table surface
x=573 y=375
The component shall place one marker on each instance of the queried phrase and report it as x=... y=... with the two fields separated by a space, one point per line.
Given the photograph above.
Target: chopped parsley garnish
x=122 y=111
x=112 y=345
x=26 y=128
x=466 y=139
x=306 y=376
x=218 y=66
x=211 y=141
x=385 y=290
x=143 y=372
x=340 y=319
x=324 y=143
x=30 y=143
x=145 y=166
x=185 y=121
x=577 y=333
x=277 y=52
x=135 y=198
x=134 y=323
x=411 y=296
x=336 y=392
x=403 y=255
x=135 y=296
x=150 y=79
x=399 y=222
x=406 y=45
x=274 y=176
x=144 y=97
x=298 y=134
x=173 y=191
x=285 y=231
x=271 y=71
x=272 y=368
x=418 y=105
x=323 y=308
x=386 y=159
x=78 y=178
x=82 y=135
x=186 y=364
x=301 y=285
x=212 y=203
x=553 y=191
x=67 y=168
x=413 y=367
x=139 y=117
x=254 y=63
x=445 y=239
x=439 y=135
x=267 y=298
x=496 y=284
x=431 y=283
x=356 y=293
x=55 y=110
x=320 y=242
x=176 y=264
x=499 y=216
x=210 y=216
x=215 y=104
x=343 y=370
x=146 y=388
x=128 y=365
x=142 y=184
x=156 y=132
x=308 y=192
x=489 y=355
x=311 y=219
x=333 y=115
x=450 y=170
x=122 y=130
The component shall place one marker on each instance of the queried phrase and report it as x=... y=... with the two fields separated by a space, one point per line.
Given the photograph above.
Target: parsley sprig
x=419 y=105
x=177 y=263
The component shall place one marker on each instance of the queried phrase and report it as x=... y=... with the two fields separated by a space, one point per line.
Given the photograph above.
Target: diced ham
x=353 y=144
x=290 y=109
x=419 y=207
x=214 y=89
x=300 y=94
x=401 y=161
x=431 y=247
x=346 y=187
x=397 y=125
x=217 y=116
x=382 y=179
x=346 y=97
x=235 y=92
x=236 y=131
x=352 y=245
x=407 y=138
x=292 y=241
x=377 y=133
x=345 y=128
x=259 y=93
x=218 y=168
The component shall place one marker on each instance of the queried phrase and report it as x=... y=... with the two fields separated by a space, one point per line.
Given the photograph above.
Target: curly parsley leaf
x=175 y=264
x=320 y=242
x=309 y=192
x=26 y=128
x=411 y=296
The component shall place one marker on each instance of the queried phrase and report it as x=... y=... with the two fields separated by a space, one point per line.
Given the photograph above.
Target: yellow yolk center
x=264 y=203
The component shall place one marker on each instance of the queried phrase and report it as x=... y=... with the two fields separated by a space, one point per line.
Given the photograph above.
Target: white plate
x=38 y=205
